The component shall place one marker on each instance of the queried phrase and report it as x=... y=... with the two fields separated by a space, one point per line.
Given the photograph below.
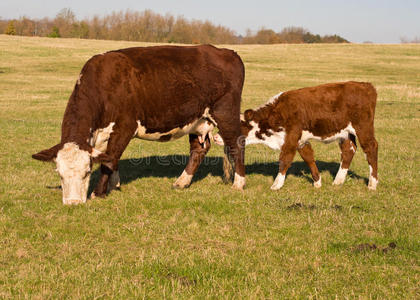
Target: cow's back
x=164 y=86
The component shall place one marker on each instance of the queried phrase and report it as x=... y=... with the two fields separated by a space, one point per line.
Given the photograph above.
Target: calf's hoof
x=372 y=184
x=278 y=182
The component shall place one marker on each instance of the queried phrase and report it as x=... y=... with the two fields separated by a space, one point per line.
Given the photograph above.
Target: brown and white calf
x=330 y=112
x=153 y=93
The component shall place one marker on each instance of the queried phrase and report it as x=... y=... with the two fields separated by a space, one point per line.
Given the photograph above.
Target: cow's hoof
x=338 y=181
x=275 y=187
x=183 y=181
x=73 y=202
x=95 y=195
x=177 y=186
x=318 y=184
x=278 y=182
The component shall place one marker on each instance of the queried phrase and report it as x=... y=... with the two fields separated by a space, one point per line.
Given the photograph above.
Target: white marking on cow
x=200 y=127
x=100 y=137
x=183 y=181
x=278 y=182
x=343 y=134
x=238 y=182
x=352 y=148
x=73 y=165
x=373 y=182
x=207 y=115
x=318 y=184
x=341 y=176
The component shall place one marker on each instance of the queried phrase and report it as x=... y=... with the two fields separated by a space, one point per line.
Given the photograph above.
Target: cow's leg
x=307 y=153
x=197 y=154
x=114 y=181
x=117 y=143
x=370 y=147
x=287 y=154
x=226 y=113
x=348 y=148
x=228 y=166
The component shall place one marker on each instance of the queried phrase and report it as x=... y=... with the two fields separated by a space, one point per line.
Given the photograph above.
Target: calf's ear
x=249 y=115
x=47 y=154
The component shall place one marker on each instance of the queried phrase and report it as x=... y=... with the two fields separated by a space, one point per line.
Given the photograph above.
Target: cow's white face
x=74 y=166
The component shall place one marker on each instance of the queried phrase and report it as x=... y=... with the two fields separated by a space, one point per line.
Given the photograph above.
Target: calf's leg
x=307 y=154
x=197 y=154
x=287 y=154
x=348 y=148
x=370 y=147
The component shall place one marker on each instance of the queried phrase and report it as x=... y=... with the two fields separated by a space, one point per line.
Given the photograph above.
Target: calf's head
x=247 y=125
x=74 y=165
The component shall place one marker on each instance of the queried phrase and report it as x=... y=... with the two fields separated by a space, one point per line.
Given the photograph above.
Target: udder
x=202 y=128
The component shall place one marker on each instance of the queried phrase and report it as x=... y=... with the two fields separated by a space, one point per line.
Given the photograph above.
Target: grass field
x=209 y=241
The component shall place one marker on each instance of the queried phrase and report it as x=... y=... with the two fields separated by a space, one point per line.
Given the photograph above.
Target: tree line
x=147 y=26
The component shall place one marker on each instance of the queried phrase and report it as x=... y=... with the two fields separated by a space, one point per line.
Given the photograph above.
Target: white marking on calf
x=373 y=182
x=270 y=101
x=73 y=165
x=343 y=134
x=341 y=176
x=274 y=141
x=278 y=182
x=238 y=182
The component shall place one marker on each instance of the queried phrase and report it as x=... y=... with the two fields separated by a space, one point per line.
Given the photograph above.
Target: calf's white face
x=74 y=166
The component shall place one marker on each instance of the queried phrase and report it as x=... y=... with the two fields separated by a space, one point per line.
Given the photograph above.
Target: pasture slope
x=149 y=241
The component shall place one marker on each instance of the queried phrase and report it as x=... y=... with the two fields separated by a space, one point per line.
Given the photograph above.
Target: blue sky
x=358 y=21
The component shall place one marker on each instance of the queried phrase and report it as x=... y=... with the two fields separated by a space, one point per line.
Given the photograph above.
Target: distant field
x=209 y=241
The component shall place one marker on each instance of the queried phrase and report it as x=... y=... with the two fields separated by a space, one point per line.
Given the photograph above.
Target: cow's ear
x=100 y=157
x=249 y=115
x=47 y=154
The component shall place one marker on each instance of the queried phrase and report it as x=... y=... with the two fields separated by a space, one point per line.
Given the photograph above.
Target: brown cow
x=326 y=113
x=153 y=93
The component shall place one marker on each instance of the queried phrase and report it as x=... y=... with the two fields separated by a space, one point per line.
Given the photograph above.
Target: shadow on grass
x=171 y=166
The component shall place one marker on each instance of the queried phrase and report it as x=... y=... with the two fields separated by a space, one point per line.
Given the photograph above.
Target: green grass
x=209 y=241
